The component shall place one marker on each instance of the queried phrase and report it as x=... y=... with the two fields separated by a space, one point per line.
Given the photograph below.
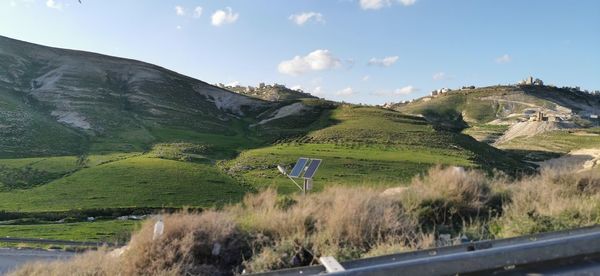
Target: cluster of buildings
x=531 y=81
x=440 y=91
x=541 y=117
x=250 y=89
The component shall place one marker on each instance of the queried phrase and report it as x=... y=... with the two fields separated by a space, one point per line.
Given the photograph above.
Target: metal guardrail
x=56 y=242
x=471 y=257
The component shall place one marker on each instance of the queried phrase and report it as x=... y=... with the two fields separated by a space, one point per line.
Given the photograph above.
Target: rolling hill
x=85 y=132
x=507 y=117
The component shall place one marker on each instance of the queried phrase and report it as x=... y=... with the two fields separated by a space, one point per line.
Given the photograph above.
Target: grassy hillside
x=505 y=103
x=368 y=146
x=101 y=231
x=133 y=182
x=83 y=131
x=359 y=145
x=555 y=143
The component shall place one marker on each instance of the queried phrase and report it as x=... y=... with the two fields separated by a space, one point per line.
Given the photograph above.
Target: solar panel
x=298 y=168
x=312 y=168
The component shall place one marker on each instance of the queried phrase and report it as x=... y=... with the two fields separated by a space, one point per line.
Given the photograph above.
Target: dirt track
x=581 y=160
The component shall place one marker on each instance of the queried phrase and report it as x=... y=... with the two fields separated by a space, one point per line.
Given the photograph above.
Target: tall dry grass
x=553 y=200
x=269 y=231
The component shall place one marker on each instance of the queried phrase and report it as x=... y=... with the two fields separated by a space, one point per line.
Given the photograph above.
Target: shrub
x=445 y=198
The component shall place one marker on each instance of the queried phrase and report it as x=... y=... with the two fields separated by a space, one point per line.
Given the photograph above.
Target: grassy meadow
x=177 y=167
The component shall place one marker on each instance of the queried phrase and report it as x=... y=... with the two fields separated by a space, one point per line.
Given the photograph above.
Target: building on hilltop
x=531 y=81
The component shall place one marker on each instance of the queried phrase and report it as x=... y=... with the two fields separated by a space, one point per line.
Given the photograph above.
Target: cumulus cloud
x=179 y=10
x=503 y=59
x=373 y=4
x=317 y=60
x=384 y=62
x=227 y=16
x=346 y=92
x=378 y=4
x=302 y=18
x=405 y=90
x=439 y=76
x=296 y=87
x=408 y=2
x=318 y=91
x=233 y=83
x=197 y=11
x=54 y=5
x=366 y=78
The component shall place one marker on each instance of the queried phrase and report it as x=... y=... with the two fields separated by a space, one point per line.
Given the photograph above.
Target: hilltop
x=527 y=117
x=268 y=92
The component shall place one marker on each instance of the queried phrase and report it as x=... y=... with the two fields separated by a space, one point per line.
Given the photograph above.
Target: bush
x=267 y=231
x=446 y=198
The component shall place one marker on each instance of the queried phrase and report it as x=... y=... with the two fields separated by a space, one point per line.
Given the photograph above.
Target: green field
x=359 y=146
x=367 y=146
x=559 y=142
x=133 y=182
x=97 y=231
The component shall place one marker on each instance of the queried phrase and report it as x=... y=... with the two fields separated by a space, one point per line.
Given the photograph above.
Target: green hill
x=82 y=132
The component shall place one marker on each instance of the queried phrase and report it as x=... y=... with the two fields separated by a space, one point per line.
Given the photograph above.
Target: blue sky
x=369 y=51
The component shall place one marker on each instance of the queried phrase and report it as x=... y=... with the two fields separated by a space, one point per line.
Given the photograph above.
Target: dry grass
x=268 y=231
x=554 y=200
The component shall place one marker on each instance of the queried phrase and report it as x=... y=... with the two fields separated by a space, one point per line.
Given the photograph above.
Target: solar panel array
x=305 y=168
x=298 y=168
x=312 y=168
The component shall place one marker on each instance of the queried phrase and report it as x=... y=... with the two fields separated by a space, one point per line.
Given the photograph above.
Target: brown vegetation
x=269 y=231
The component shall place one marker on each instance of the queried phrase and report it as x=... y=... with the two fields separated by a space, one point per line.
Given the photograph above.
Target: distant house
x=531 y=81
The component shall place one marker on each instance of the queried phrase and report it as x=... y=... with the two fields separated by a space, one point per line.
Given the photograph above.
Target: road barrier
x=557 y=248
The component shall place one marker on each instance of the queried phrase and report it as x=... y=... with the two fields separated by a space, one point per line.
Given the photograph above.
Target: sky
x=359 y=51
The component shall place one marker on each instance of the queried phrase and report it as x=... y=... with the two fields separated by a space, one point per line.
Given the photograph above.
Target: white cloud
x=302 y=18
x=197 y=11
x=378 y=4
x=318 y=91
x=54 y=5
x=227 y=16
x=233 y=83
x=373 y=4
x=439 y=76
x=179 y=10
x=408 y=2
x=317 y=60
x=405 y=90
x=504 y=59
x=346 y=92
x=296 y=87
x=178 y=27
x=366 y=78
x=385 y=62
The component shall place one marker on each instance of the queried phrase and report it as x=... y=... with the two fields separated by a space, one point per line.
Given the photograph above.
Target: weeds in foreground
x=268 y=231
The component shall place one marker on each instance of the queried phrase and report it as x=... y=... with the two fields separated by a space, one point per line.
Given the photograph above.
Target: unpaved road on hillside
x=530 y=129
x=496 y=99
x=579 y=160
